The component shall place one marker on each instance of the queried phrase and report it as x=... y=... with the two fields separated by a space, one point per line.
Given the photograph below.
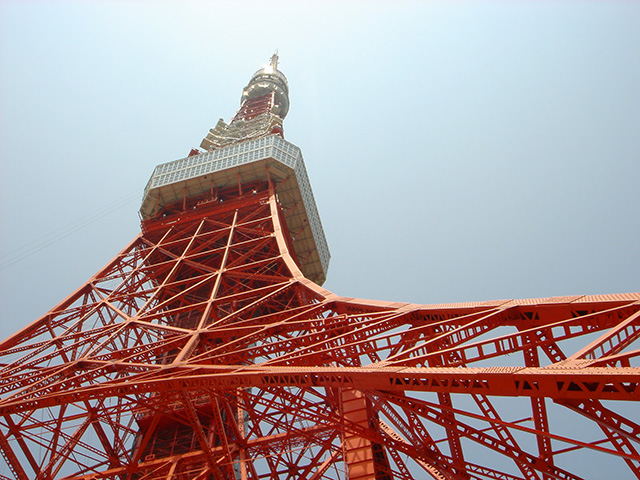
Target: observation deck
x=257 y=159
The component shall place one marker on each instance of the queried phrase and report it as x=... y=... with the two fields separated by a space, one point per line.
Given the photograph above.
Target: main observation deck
x=258 y=159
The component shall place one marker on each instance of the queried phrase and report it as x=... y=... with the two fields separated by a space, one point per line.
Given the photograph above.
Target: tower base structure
x=201 y=351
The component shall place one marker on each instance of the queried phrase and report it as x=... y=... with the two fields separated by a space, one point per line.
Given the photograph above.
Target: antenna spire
x=273 y=61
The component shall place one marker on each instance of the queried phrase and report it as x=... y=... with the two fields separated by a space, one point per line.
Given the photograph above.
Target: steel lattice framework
x=201 y=351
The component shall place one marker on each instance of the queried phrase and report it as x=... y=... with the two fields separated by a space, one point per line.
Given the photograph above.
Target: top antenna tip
x=274 y=60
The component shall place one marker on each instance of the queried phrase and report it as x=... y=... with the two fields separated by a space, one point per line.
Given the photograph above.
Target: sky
x=458 y=151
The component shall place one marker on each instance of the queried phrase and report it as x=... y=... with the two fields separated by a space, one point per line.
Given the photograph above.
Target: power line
x=33 y=247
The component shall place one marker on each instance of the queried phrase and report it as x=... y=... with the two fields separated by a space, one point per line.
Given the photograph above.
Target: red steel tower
x=207 y=349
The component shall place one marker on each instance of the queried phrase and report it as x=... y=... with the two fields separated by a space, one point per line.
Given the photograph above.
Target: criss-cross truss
x=201 y=352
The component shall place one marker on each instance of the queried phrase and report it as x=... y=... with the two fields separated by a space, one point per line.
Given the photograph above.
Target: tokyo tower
x=208 y=349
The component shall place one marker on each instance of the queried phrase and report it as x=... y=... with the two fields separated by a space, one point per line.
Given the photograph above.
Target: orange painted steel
x=201 y=351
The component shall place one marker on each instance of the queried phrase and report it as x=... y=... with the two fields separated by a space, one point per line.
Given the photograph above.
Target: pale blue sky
x=458 y=151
